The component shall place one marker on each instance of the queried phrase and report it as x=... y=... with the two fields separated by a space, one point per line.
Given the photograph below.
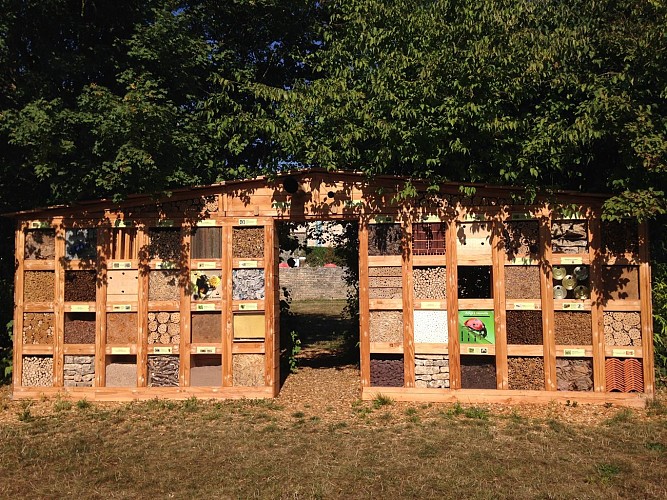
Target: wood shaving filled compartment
x=248 y=370
x=122 y=328
x=121 y=371
x=39 y=286
x=524 y=327
x=79 y=328
x=478 y=372
x=386 y=326
x=387 y=370
x=430 y=282
x=163 y=371
x=40 y=244
x=205 y=370
x=385 y=239
x=574 y=374
x=248 y=243
x=526 y=373
x=165 y=243
x=80 y=286
x=163 y=285
x=522 y=282
x=37 y=371
x=385 y=282
x=622 y=328
x=38 y=328
x=164 y=327
x=573 y=328
x=206 y=327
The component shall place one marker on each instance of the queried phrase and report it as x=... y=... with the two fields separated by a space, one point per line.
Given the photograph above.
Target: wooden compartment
x=206 y=327
x=569 y=236
x=122 y=328
x=386 y=326
x=571 y=282
x=619 y=238
x=473 y=239
x=574 y=374
x=622 y=328
x=386 y=370
x=521 y=238
x=526 y=373
x=431 y=327
x=79 y=371
x=249 y=326
x=163 y=285
x=478 y=372
x=385 y=282
x=248 y=243
x=163 y=371
x=37 y=371
x=430 y=282
x=624 y=375
x=385 y=239
x=38 y=328
x=573 y=327
x=79 y=328
x=39 y=286
x=165 y=243
x=432 y=371
x=474 y=282
x=205 y=370
x=620 y=282
x=81 y=244
x=40 y=244
x=206 y=285
x=206 y=243
x=124 y=244
x=121 y=371
x=164 y=327
x=429 y=238
x=248 y=370
x=524 y=327
x=80 y=286
x=122 y=286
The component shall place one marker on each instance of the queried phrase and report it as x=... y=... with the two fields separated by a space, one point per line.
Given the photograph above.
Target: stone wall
x=431 y=371
x=79 y=371
x=306 y=283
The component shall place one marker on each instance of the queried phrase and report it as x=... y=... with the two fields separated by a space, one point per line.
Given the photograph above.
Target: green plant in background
x=660 y=320
x=294 y=351
x=6 y=355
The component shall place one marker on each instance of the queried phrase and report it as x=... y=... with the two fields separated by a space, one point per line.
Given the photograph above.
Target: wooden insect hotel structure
x=464 y=298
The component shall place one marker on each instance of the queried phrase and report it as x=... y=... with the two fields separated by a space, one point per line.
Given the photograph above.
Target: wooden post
x=184 y=307
x=59 y=308
x=276 y=312
x=597 y=293
x=453 y=307
x=227 y=314
x=103 y=253
x=364 y=307
x=19 y=242
x=546 y=292
x=646 y=313
x=270 y=267
x=499 y=303
x=408 y=306
x=142 y=308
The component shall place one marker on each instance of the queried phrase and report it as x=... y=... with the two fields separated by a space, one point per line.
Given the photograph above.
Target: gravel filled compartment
x=386 y=326
x=121 y=371
x=248 y=243
x=478 y=372
x=38 y=328
x=569 y=236
x=573 y=328
x=163 y=285
x=521 y=238
x=429 y=238
x=122 y=328
x=206 y=285
x=474 y=282
x=79 y=328
x=574 y=374
x=164 y=327
x=622 y=328
x=39 y=286
x=248 y=284
x=620 y=237
x=387 y=370
x=431 y=327
x=621 y=282
x=385 y=239
x=206 y=243
x=432 y=371
x=522 y=282
x=163 y=371
x=430 y=282
x=206 y=370
x=526 y=373
x=248 y=370
x=79 y=371
x=37 y=371
x=165 y=243
x=524 y=327
x=81 y=244
x=385 y=282
x=40 y=244
x=206 y=327
x=80 y=286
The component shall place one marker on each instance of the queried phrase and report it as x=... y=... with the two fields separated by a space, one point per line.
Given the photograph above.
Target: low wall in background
x=308 y=283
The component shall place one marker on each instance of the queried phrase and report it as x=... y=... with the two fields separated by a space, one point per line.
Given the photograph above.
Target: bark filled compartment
x=385 y=282
x=526 y=373
x=622 y=328
x=521 y=238
x=164 y=327
x=80 y=286
x=79 y=328
x=387 y=370
x=206 y=243
x=121 y=371
x=79 y=371
x=569 y=236
x=522 y=282
x=163 y=285
x=386 y=326
x=122 y=328
x=206 y=327
x=39 y=286
x=165 y=243
x=205 y=370
x=430 y=282
x=38 y=328
x=620 y=282
x=432 y=371
x=81 y=244
x=524 y=327
x=163 y=371
x=431 y=327
x=573 y=328
x=248 y=243
x=478 y=372
x=37 y=371
x=574 y=374
x=620 y=237
x=248 y=284
x=474 y=282
x=385 y=239
x=40 y=244
x=429 y=238
x=248 y=370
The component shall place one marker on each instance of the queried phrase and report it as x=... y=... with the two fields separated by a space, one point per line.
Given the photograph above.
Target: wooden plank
x=103 y=250
x=386 y=304
x=430 y=304
x=646 y=310
x=611 y=351
x=453 y=308
x=163 y=305
x=59 y=309
x=38 y=265
x=384 y=260
x=597 y=315
x=546 y=295
x=625 y=304
x=364 y=304
x=485 y=304
x=431 y=348
x=525 y=350
x=477 y=349
x=428 y=260
x=142 y=240
x=499 y=305
x=572 y=304
x=227 y=310
x=79 y=349
x=19 y=253
x=36 y=349
x=38 y=306
x=270 y=276
x=572 y=259
x=185 y=310
x=386 y=348
x=249 y=348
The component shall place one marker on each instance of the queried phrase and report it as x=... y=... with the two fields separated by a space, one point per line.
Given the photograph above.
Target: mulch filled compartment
x=81 y=244
x=248 y=370
x=80 y=286
x=386 y=326
x=123 y=244
x=206 y=243
x=429 y=238
x=249 y=326
x=574 y=374
x=385 y=239
x=205 y=370
x=79 y=328
x=432 y=371
x=430 y=282
x=206 y=327
x=571 y=282
x=164 y=327
x=40 y=244
x=387 y=370
x=573 y=328
x=478 y=372
x=248 y=284
x=620 y=282
x=165 y=243
x=474 y=282
x=473 y=238
x=521 y=238
x=569 y=236
x=431 y=327
x=121 y=371
x=206 y=285
x=163 y=371
x=477 y=327
x=624 y=375
x=122 y=328
x=524 y=327
x=526 y=373
x=163 y=285
x=522 y=282
x=79 y=371
x=37 y=371
x=39 y=286
x=620 y=237
x=38 y=328
x=385 y=282
x=248 y=243
x=622 y=328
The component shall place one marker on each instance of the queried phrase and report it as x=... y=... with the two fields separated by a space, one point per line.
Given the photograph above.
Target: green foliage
x=318 y=256
x=295 y=349
x=382 y=400
x=660 y=319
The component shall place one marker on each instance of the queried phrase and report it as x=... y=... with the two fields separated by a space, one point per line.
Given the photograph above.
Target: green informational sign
x=476 y=327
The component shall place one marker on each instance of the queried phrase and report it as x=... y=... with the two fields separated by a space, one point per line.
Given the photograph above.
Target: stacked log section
x=40 y=244
x=432 y=371
x=206 y=370
x=569 y=236
x=38 y=328
x=574 y=374
x=385 y=239
x=121 y=371
x=206 y=243
x=122 y=328
x=210 y=203
x=524 y=327
x=248 y=284
x=474 y=282
x=165 y=244
x=431 y=327
x=206 y=327
x=522 y=282
x=624 y=375
x=386 y=370
x=79 y=371
x=248 y=370
x=622 y=328
x=430 y=282
x=81 y=244
x=521 y=238
x=478 y=372
x=573 y=328
x=385 y=283
x=620 y=237
x=39 y=286
x=80 y=286
x=248 y=243
x=429 y=238
x=164 y=327
x=526 y=373
x=37 y=371
x=163 y=371
x=621 y=282
x=163 y=285
x=386 y=326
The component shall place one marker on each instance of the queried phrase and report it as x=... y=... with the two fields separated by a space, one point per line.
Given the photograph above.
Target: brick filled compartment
x=522 y=282
x=574 y=374
x=624 y=375
x=164 y=328
x=121 y=370
x=39 y=286
x=569 y=236
x=573 y=327
x=431 y=327
x=206 y=243
x=620 y=237
x=387 y=370
x=248 y=243
x=166 y=244
x=122 y=328
x=81 y=244
x=571 y=282
x=38 y=328
x=248 y=370
x=206 y=285
x=432 y=371
x=386 y=326
x=524 y=327
x=206 y=327
x=430 y=282
x=622 y=328
x=163 y=371
x=385 y=282
x=526 y=373
x=37 y=371
x=164 y=285
x=79 y=328
x=40 y=244
x=429 y=238
x=248 y=284
x=620 y=283
x=521 y=238
x=478 y=372
x=385 y=239
x=205 y=370
x=79 y=371
x=474 y=282
x=80 y=286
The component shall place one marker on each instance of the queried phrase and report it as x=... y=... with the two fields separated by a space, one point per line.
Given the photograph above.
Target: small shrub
x=83 y=404
x=476 y=413
x=62 y=405
x=382 y=400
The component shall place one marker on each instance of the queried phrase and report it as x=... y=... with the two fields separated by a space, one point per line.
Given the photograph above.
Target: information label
x=382 y=219
x=162 y=350
x=120 y=350
x=430 y=305
x=571 y=260
x=248 y=307
x=79 y=308
x=206 y=223
x=165 y=264
x=205 y=307
x=477 y=350
x=522 y=216
x=205 y=265
x=473 y=217
x=38 y=224
x=165 y=223
x=122 y=223
x=121 y=307
x=205 y=349
x=525 y=306
x=353 y=203
x=247 y=222
x=623 y=353
x=572 y=306
x=247 y=264
x=431 y=218
x=121 y=264
x=524 y=261
x=574 y=353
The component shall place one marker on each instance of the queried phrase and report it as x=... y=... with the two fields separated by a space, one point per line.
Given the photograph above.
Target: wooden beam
x=597 y=293
x=142 y=241
x=270 y=272
x=19 y=282
x=546 y=292
x=227 y=308
x=184 y=308
x=59 y=308
x=408 y=306
x=646 y=310
x=499 y=303
x=103 y=252
x=364 y=312
x=453 y=307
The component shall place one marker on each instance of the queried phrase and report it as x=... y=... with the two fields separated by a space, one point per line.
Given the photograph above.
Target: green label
x=578 y=306
x=571 y=260
x=122 y=223
x=205 y=265
x=121 y=307
x=247 y=222
x=39 y=224
x=623 y=353
x=525 y=306
x=206 y=223
x=120 y=350
x=248 y=307
x=382 y=219
x=165 y=223
x=205 y=307
x=205 y=350
x=247 y=264
x=353 y=203
x=165 y=264
x=574 y=353
x=524 y=261
x=80 y=308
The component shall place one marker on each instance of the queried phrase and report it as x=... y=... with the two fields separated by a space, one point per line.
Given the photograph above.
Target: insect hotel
x=467 y=298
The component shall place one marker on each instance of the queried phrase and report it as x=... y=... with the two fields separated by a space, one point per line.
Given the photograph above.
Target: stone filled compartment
x=121 y=371
x=429 y=238
x=205 y=370
x=526 y=373
x=385 y=239
x=206 y=327
x=574 y=374
x=474 y=282
x=432 y=371
x=478 y=372
x=248 y=243
x=38 y=328
x=430 y=282
x=521 y=238
x=248 y=370
x=122 y=328
x=431 y=327
x=387 y=370
x=522 y=282
x=79 y=371
x=165 y=243
x=81 y=244
x=80 y=286
x=79 y=328
x=163 y=285
x=622 y=328
x=248 y=284
x=37 y=371
x=40 y=244
x=524 y=327
x=386 y=326
x=206 y=243
x=573 y=327
x=39 y=286
x=163 y=371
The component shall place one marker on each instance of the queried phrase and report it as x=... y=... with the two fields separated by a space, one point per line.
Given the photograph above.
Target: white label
x=38 y=224
x=623 y=353
x=430 y=218
x=248 y=307
x=524 y=261
x=205 y=350
x=574 y=353
x=162 y=350
x=120 y=350
x=121 y=264
x=248 y=264
x=578 y=306
x=247 y=222
x=430 y=305
x=121 y=307
x=205 y=265
x=80 y=308
x=525 y=306
x=571 y=260
x=477 y=350
x=205 y=307
x=206 y=223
